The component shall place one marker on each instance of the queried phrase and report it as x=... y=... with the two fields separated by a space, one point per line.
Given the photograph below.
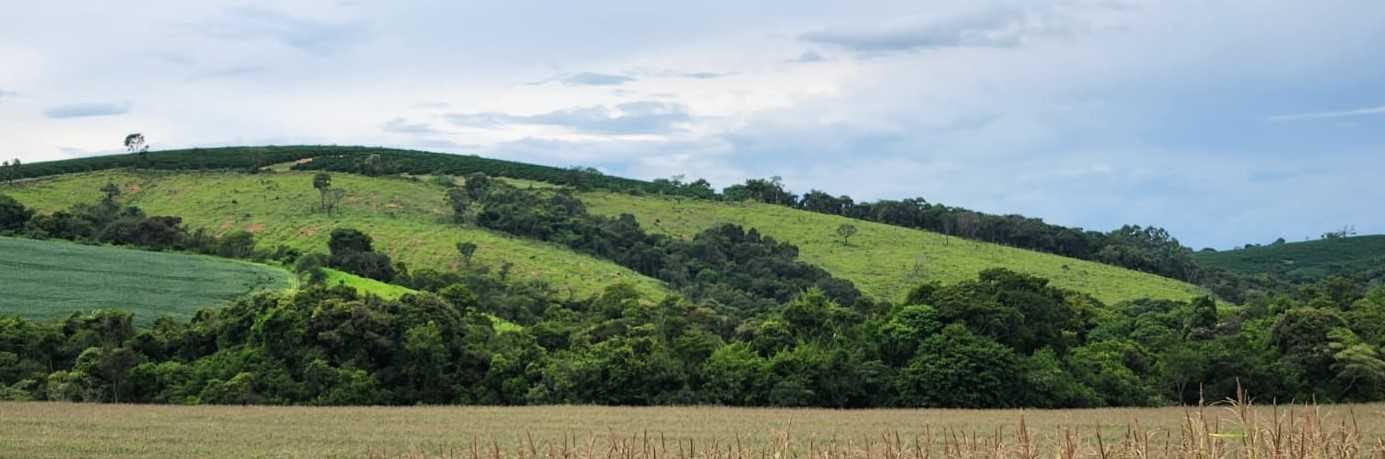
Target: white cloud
x=1328 y=115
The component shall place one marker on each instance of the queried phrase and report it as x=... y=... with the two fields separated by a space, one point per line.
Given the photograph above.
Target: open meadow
x=39 y=429
x=47 y=280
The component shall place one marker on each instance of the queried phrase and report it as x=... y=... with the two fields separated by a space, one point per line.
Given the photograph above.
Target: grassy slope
x=366 y=285
x=881 y=258
x=408 y=219
x=1302 y=260
x=52 y=279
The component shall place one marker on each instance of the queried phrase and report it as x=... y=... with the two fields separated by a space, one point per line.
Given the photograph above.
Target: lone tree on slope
x=846 y=231
x=134 y=143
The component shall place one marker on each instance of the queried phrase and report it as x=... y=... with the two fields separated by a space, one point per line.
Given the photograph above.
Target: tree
x=846 y=230
x=322 y=182
x=477 y=186
x=13 y=214
x=111 y=191
x=333 y=198
x=458 y=199
x=134 y=143
x=348 y=240
x=467 y=249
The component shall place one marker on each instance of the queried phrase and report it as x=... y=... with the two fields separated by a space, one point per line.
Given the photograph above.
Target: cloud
x=991 y=28
x=88 y=109
x=308 y=35
x=403 y=126
x=704 y=75
x=230 y=72
x=808 y=56
x=631 y=118
x=595 y=79
x=588 y=79
x=1329 y=115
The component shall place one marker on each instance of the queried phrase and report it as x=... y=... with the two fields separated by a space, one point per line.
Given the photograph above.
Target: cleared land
x=1305 y=261
x=883 y=260
x=409 y=219
x=52 y=279
x=46 y=429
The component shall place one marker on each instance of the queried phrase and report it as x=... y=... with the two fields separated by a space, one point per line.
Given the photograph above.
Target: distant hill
x=886 y=261
x=1303 y=261
x=52 y=279
x=409 y=218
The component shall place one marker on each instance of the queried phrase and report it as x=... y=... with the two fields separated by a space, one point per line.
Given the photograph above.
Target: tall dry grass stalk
x=1233 y=429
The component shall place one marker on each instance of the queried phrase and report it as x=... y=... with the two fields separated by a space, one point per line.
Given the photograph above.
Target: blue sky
x=1225 y=122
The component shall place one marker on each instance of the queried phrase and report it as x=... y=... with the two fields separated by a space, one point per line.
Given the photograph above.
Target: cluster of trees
x=9 y=170
x=738 y=269
x=1002 y=340
x=110 y=222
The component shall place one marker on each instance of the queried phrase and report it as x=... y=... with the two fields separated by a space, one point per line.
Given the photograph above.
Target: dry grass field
x=40 y=429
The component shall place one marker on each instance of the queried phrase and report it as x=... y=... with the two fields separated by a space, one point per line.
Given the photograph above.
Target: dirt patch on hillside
x=254 y=228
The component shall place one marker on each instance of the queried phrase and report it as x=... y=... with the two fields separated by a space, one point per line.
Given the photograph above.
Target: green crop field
x=50 y=280
x=409 y=219
x=1302 y=261
x=886 y=261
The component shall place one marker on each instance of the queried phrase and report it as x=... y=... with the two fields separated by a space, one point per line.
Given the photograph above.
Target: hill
x=1302 y=261
x=51 y=279
x=885 y=261
x=408 y=218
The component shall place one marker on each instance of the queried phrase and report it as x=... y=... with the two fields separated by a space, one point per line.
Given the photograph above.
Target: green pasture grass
x=365 y=285
x=886 y=261
x=409 y=219
x=48 y=280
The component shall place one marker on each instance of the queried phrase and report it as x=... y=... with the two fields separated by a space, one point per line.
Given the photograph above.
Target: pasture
x=46 y=280
x=46 y=429
x=886 y=261
x=410 y=220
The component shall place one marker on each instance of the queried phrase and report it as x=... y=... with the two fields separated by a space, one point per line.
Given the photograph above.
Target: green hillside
x=885 y=261
x=1302 y=261
x=52 y=279
x=409 y=219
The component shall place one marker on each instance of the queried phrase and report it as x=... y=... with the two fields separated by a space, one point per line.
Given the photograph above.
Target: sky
x=1226 y=122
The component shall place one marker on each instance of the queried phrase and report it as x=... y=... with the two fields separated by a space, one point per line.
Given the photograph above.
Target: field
x=364 y=285
x=45 y=429
x=886 y=261
x=409 y=219
x=50 y=280
x=1304 y=261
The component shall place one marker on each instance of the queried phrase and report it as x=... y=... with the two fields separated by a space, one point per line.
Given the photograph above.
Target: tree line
x=750 y=327
x=1001 y=340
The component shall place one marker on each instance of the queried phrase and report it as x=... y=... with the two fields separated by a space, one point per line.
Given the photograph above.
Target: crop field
x=409 y=219
x=47 y=429
x=50 y=280
x=886 y=261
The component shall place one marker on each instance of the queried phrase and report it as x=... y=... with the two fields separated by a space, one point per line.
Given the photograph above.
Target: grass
x=882 y=259
x=1302 y=261
x=409 y=219
x=366 y=285
x=48 y=429
x=47 y=280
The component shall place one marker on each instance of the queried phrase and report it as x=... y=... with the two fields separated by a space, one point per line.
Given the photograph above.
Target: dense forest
x=751 y=326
